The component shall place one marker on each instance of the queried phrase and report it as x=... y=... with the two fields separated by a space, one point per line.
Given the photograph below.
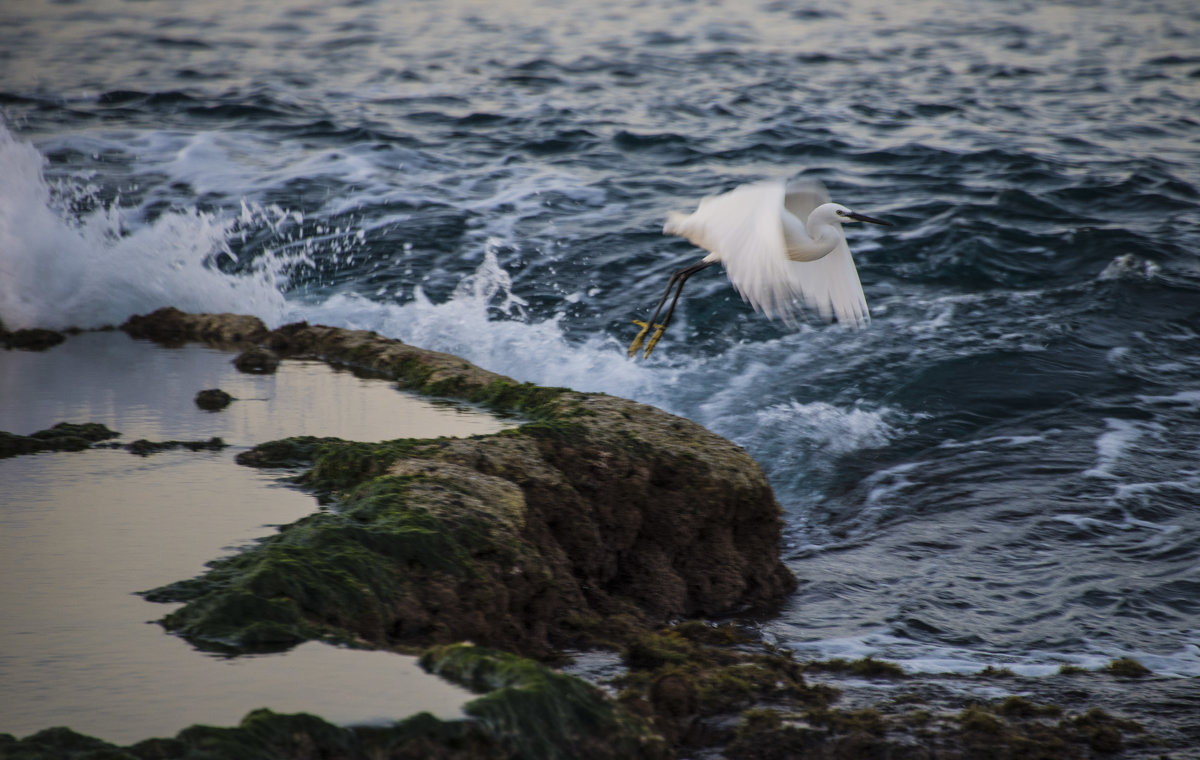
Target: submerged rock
x=145 y=448
x=596 y=518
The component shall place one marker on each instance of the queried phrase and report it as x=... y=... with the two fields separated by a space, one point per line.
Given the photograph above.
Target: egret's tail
x=675 y=224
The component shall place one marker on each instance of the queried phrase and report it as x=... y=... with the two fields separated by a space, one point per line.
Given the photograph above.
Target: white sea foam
x=100 y=268
x=1189 y=399
x=797 y=438
x=917 y=657
x=1112 y=444
x=1129 y=266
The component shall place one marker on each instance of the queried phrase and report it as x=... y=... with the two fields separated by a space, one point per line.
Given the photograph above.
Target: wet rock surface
x=213 y=399
x=597 y=517
x=69 y=436
x=525 y=711
x=64 y=436
x=145 y=448
x=257 y=361
x=31 y=339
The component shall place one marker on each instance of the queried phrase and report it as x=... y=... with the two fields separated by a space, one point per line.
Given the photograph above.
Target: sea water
x=82 y=532
x=1002 y=469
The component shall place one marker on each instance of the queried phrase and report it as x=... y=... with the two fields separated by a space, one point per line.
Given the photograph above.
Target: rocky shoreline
x=597 y=523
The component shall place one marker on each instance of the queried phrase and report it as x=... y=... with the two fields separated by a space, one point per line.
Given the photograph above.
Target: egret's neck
x=803 y=246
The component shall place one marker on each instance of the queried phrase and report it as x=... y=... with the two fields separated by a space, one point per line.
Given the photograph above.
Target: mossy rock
x=866 y=667
x=36 y=339
x=266 y=735
x=1127 y=667
x=693 y=678
x=213 y=399
x=1011 y=728
x=171 y=327
x=525 y=711
x=540 y=713
x=405 y=558
x=65 y=436
x=257 y=361
x=596 y=508
x=145 y=448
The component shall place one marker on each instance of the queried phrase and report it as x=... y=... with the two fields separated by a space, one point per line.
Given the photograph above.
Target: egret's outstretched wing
x=743 y=229
x=804 y=195
x=831 y=286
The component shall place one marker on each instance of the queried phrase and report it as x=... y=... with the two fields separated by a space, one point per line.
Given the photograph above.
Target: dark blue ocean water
x=1003 y=469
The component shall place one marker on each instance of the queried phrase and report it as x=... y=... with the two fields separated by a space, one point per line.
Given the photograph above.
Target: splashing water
x=95 y=270
x=487 y=324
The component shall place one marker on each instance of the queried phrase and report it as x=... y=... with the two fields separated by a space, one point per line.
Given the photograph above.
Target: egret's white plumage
x=782 y=247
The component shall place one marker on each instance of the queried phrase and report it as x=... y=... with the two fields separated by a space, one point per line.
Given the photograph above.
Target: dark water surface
x=1003 y=469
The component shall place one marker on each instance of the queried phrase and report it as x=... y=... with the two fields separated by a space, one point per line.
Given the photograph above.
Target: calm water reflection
x=80 y=532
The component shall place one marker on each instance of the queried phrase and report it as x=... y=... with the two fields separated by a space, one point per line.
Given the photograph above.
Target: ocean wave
x=97 y=269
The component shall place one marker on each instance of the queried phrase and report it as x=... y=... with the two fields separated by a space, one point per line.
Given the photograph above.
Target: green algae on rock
x=596 y=508
x=693 y=679
x=540 y=713
x=525 y=711
x=36 y=339
x=978 y=732
x=866 y=667
x=266 y=735
x=145 y=448
x=65 y=436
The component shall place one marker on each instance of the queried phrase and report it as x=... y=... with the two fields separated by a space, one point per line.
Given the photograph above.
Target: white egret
x=782 y=245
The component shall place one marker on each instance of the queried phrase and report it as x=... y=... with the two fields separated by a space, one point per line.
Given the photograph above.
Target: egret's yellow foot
x=658 y=333
x=637 y=341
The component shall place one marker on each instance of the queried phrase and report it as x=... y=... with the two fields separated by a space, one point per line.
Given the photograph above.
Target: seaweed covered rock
x=145 y=448
x=65 y=436
x=36 y=339
x=257 y=361
x=171 y=327
x=536 y=712
x=693 y=680
x=525 y=712
x=213 y=399
x=596 y=510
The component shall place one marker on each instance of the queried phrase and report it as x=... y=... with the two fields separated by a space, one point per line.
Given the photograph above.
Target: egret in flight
x=781 y=244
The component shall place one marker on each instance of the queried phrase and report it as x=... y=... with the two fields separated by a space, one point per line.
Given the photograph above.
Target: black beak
x=864 y=218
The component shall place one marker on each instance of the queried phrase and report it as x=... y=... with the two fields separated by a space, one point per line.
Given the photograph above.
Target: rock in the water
x=213 y=399
x=257 y=361
x=145 y=448
x=597 y=517
x=170 y=326
x=65 y=436
x=34 y=339
x=525 y=712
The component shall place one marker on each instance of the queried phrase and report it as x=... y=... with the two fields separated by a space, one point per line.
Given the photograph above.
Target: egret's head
x=846 y=215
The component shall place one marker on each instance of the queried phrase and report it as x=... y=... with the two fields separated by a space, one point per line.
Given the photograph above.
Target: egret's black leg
x=641 y=336
x=678 y=278
x=681 y=277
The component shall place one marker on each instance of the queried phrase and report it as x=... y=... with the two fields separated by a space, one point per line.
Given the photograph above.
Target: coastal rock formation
x=596 y=517
x=64 y=436
x=524 y=710
x=31 y=340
